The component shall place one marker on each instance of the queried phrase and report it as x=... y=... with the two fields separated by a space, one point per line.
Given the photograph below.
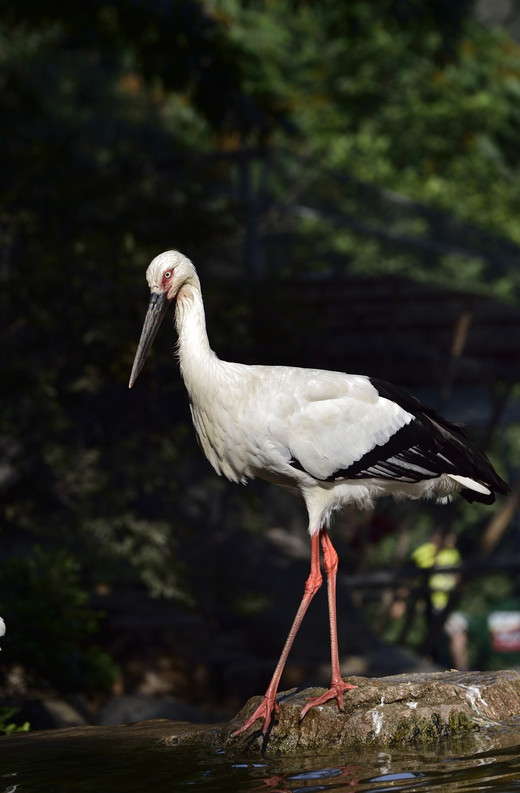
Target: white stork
x=332 y=439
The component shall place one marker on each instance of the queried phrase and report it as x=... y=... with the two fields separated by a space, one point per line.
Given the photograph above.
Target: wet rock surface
x=416 y=709
x=421 y=709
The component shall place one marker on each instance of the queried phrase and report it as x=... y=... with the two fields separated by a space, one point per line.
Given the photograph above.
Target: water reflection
x=127 y=762
x=496 y=770
x=12 y=787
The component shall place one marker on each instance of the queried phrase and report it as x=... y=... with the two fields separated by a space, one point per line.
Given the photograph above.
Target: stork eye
x=168 y=274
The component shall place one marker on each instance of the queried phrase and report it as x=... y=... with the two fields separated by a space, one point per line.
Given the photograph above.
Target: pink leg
x=268 y=705
x=337 y=686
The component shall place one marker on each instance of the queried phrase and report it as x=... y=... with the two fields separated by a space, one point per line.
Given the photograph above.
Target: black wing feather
x=427 y=447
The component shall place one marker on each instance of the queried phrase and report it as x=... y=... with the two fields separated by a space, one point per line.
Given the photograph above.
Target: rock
x=414 y=709
x=49 y=713
x=421 y=711
x=130 y=709
x=391 y=660
x=64 y=714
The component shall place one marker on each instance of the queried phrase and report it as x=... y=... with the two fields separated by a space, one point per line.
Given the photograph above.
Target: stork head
x=166 y=274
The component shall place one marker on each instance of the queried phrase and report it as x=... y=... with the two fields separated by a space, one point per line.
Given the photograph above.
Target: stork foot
x=266 y=710
x=336 y=691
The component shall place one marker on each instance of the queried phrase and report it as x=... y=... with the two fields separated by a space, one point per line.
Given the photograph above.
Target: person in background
x=441 y=552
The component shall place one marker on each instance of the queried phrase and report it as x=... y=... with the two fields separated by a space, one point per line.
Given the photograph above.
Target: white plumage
x=331 y=438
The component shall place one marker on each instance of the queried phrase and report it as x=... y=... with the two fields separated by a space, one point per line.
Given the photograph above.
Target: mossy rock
x=402 y=710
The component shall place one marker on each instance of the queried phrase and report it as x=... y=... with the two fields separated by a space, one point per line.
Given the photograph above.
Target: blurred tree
x=414 y=97
x=108 y=114
x=113 y=121
x=180 y=46
x=51 y=628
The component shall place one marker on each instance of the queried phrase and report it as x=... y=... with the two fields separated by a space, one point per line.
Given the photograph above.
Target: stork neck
x=194 y=351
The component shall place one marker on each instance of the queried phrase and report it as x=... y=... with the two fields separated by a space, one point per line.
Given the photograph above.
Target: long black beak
x=154 y=316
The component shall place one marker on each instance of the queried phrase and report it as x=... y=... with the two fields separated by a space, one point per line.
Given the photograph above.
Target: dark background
x=346 y=179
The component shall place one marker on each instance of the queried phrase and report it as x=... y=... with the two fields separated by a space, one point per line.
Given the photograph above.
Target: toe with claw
x=336 y=692
x=266 y=710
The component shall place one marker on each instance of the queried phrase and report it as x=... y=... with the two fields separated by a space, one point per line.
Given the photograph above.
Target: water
x=114 y=761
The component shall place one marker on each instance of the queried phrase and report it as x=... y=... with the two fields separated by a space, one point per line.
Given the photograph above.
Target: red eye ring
x=168 y=273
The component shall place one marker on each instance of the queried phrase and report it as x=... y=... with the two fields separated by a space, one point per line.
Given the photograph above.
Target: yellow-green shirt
x=441 y=584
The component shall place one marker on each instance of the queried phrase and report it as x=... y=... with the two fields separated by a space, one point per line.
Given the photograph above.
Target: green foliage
x=91 y=158
x=179 y=47
x=114 y=117
x=50 y=626
x=406 y=97
x=480 y=597
x=8 y=727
